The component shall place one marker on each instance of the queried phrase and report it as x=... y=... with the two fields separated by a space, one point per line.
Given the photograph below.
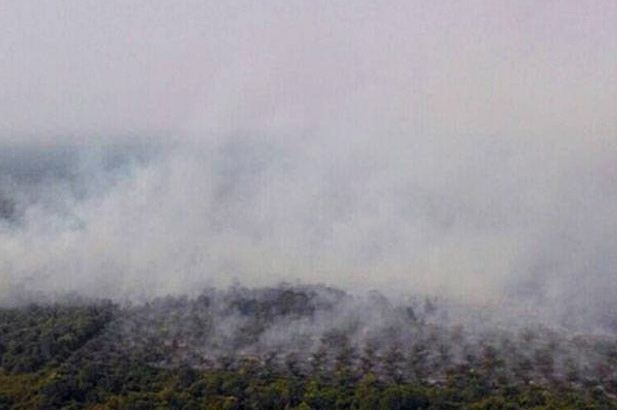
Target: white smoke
x=409 y=148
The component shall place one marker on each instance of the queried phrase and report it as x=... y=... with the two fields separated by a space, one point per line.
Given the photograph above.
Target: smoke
x=300 y=327
x=409 y=148
x=238 y=209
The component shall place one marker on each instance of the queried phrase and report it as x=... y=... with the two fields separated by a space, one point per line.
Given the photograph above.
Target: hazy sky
x=463 y=146
x=117 y=67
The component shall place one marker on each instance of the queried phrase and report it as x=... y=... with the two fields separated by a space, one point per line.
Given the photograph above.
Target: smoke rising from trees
x=459 y=151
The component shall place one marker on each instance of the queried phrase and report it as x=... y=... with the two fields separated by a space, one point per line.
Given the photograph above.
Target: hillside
x=293 y=347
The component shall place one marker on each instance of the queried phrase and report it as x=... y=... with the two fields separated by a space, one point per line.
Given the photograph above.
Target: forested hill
x=293 y=348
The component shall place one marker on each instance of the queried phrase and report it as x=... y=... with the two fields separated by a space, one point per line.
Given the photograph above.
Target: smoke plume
x=426 y=149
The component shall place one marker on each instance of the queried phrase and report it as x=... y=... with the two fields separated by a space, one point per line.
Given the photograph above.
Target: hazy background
x=461 y=148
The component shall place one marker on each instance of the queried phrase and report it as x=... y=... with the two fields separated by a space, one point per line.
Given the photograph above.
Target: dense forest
x=293 y=347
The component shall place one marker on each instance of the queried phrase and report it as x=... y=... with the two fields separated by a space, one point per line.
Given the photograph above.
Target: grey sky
x=115 y=67
x=460 y=147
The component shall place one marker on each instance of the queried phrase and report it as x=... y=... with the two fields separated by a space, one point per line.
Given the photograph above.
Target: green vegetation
x=138 y=386
x=101 y=356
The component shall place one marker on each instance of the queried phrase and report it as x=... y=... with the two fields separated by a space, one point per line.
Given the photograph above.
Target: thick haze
x=460 y=147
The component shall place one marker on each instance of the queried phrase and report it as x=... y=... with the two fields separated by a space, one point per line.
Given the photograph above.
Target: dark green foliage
x=33 y=337
x=104 y=357
x=143 y=387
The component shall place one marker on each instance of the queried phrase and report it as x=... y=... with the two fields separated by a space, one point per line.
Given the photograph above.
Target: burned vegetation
x=294 y=347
